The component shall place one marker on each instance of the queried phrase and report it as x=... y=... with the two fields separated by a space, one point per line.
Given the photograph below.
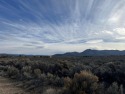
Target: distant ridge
x=90 y=52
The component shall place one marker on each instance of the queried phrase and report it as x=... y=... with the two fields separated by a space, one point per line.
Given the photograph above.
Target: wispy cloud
x=52 y=26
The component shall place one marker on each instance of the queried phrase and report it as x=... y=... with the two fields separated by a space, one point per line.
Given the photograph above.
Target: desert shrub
x=101 y=88
x=43 y=76
x=65 y=72
x=82 y=83
x=113 y=89
x=52 y=74
x=121 y=89
x=37 y=73
x=3 y=68
x=12 y=72
x=27 y=71
x=58 y=82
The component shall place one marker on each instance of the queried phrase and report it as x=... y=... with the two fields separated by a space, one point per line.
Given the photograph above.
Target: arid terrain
x=62 y=75
x=8 y=86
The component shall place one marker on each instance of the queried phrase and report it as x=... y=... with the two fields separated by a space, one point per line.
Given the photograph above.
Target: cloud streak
x=54 y=26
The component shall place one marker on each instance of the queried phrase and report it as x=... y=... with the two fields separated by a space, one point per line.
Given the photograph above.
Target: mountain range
x=90 y=52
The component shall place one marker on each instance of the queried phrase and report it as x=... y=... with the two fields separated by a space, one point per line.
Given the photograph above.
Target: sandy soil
x=9 y=87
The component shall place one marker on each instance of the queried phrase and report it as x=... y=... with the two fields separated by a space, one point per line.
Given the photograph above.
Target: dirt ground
x=9 y=87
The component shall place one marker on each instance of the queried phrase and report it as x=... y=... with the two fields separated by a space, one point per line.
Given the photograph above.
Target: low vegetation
x=69 y=75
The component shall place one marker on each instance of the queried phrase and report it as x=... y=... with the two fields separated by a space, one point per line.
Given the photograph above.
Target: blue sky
x=56 y=26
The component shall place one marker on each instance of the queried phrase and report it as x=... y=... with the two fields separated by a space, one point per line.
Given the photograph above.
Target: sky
x=46 y=27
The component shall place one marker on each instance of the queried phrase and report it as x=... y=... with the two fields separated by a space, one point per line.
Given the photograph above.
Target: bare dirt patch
x=9 y=87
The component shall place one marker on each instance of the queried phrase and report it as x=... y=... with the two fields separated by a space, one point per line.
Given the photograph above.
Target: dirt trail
x=9 y=87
